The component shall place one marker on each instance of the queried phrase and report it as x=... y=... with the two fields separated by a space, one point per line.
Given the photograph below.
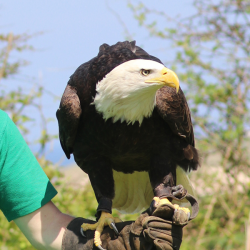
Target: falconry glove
x=153 y=230
x=147 y=232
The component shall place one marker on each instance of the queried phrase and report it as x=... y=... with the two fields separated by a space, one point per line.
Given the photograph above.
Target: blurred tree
x=17 y=103
x=213 y=62
x=14 y=102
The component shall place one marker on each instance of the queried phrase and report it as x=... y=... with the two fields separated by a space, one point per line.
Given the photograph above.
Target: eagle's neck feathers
x=123 y=95
x=126 y=103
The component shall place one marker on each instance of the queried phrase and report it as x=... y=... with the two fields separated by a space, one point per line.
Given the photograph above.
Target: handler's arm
x=26 y=191
x=44 y=228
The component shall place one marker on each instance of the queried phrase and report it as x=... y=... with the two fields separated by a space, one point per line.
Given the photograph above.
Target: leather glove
x=147 y=232
x=153 y=230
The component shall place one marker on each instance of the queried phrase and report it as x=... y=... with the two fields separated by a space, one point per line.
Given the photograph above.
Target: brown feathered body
x=156 y=146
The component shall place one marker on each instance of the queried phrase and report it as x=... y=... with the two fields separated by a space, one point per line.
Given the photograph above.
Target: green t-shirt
x=24 y=187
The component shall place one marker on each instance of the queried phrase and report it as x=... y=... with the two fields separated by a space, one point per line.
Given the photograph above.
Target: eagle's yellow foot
x=159 y=202
x=106 y=219
x=180 y=215
x=185 y=209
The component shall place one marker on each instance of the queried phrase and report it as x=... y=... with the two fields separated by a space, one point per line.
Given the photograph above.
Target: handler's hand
x=147 y=232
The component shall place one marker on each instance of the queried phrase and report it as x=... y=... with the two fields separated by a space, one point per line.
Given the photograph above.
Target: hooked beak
x=167 y=78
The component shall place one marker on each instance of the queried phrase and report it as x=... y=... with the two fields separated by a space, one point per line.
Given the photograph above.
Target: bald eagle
x=127 y=123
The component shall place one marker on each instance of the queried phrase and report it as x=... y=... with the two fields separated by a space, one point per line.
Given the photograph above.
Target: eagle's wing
x=68 y=116
x=74 y=102
x=173 y=108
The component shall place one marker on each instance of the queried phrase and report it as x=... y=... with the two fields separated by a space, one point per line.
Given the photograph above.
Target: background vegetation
x=213 y=61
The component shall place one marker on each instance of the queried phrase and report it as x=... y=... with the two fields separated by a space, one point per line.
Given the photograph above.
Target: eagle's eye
x=145 y=72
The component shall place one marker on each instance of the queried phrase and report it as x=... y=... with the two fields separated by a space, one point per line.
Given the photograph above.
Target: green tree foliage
x=17 y=102
x=212 y=59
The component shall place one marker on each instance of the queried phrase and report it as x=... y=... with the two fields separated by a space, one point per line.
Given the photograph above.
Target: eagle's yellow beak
x=167 y=78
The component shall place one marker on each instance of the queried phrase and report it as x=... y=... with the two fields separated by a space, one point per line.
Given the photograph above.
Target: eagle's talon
x=82 y=233
x=100 y=247
x=106 y=219
x=112 y=225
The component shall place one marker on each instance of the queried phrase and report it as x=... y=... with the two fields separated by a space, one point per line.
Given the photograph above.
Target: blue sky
x=72 y=33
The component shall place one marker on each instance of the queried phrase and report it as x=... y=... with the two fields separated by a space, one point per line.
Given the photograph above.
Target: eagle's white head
x=128 y=92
